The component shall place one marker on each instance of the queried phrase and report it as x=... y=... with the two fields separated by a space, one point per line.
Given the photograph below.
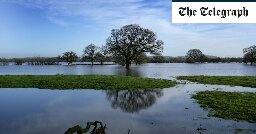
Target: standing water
x=169 y=110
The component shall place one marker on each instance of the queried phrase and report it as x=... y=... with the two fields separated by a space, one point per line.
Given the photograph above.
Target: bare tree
x=195 y=55
x=131 y=41
x=90 y=51
x=102 y=54
x=69 y=57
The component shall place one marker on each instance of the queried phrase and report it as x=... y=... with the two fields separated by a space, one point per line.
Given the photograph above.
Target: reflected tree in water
x=133 y=101
x=131 y=72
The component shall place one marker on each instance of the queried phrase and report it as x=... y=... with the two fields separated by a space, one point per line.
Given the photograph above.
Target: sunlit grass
x=82 y=82
x=245 y=81
x=229 y=105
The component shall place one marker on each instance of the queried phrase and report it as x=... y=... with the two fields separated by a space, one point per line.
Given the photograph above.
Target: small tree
x=195 y=55
x=131 y=41
x=250 y=54
x=90 y=51
x=102 y=54
x=69 y=57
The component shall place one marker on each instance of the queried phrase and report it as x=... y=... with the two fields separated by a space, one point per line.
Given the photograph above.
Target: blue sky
x=51 y=27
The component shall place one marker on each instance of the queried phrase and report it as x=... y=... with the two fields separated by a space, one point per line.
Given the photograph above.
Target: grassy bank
x=229 y=105
x=81 y=82
x=245 y=81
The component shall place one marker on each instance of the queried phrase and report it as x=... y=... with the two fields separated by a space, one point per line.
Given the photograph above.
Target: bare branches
x=131 y=41
x=69 y=57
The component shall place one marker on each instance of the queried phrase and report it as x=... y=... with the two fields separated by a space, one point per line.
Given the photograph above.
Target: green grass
x=229 y=105
x=245 y=81
x=244 y=131
x=82 y=82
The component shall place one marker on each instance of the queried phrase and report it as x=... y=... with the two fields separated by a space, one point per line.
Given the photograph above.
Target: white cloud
x=58 y=21
x=214 y=39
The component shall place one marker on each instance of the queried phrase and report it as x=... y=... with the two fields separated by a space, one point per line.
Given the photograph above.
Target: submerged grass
x=82 y=82
x=245 y=81
x=229 y=105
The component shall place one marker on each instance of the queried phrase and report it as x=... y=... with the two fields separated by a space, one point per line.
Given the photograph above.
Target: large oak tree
x=131 y=41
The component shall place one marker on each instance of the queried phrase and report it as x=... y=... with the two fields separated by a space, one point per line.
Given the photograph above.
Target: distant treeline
x=32 y=61
x=44 y=60
x=145 y=59
x=165 y=59
x=93 y=54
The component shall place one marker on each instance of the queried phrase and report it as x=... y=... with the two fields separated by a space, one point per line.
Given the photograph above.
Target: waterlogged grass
x=245 y=81
x=229 y=105
x=82 y=82
x=244 y=131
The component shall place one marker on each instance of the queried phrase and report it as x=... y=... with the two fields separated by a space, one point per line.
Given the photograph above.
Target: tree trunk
x=127 y=65
x=101 y=62
x=92 y=62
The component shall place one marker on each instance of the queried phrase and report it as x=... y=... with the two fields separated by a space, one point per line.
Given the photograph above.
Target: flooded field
x=28 y=111
x=169 y=110
x=159 y=70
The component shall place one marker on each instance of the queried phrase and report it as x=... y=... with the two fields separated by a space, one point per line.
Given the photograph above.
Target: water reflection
x=39 y=111
x=132 y=101
x=96 y=130
x=132 y=72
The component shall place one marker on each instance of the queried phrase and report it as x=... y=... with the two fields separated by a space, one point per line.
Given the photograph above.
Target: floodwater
x=159 y=111
x=159 y=70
